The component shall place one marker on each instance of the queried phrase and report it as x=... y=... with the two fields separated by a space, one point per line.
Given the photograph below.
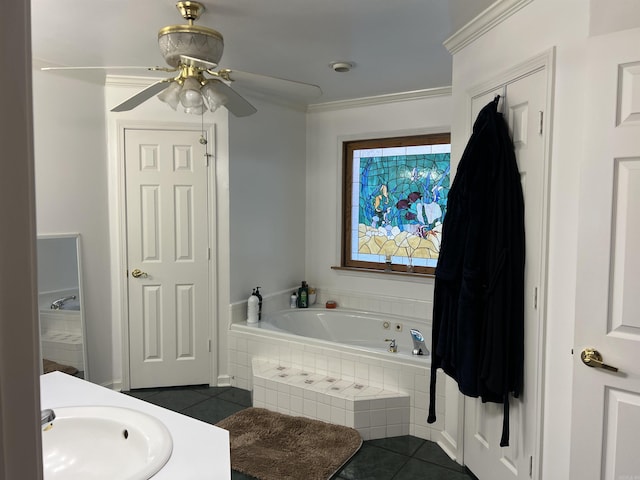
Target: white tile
x=347 y=369
x=377 y=432
x=323 y=398
x=361 y=405
x=391 y=378
x=309 y=408
x=365 y=433
x=362 y=372
x=296 y=405
x=376 y=376
x=271 y=397
x=295 y=391
x=338 y=402
x=422 y=432
x=284 y=400
x=259 y=395
x=309 y=395
x=338 y=415
x=396 y=430
x=323 y=412
x=377 y=418
x=395 y=416
x=361 y=419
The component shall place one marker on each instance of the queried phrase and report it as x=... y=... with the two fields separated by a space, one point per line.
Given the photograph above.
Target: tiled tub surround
x=394 y=372
x=61 y=331
x=373 y=411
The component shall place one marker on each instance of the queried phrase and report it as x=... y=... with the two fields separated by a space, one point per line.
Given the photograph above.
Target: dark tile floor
x=398 y=458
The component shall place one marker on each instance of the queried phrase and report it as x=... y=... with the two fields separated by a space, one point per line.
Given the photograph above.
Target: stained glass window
x=395 y=199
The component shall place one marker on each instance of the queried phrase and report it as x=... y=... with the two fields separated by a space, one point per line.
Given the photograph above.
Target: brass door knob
x=592 y=358
x=137 y=273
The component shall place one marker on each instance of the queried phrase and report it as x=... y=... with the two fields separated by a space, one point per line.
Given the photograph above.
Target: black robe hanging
x=478 y=307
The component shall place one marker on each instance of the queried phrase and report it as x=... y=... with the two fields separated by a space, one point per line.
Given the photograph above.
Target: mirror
x=60 y=305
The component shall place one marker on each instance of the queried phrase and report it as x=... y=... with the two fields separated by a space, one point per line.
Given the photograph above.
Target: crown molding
x=380 y=99
x=494 y=15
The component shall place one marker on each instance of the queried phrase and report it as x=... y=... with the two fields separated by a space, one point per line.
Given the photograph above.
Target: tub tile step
x=373 y=411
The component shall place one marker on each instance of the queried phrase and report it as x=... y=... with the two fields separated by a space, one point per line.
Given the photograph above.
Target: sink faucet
x=393 y=348
x=47 y=416
x=57 y=304
x=419 y=348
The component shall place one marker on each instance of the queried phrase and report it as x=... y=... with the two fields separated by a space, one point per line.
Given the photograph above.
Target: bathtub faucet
x=57 y=304
x=419 y=348
x=393 y=348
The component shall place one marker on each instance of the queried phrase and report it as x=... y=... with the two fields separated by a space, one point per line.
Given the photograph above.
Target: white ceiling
x=396 y=45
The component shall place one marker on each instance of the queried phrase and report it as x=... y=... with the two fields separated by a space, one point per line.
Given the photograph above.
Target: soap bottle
x=293 y=300
x=252 y=308
x=257 y=294
x=303 y=296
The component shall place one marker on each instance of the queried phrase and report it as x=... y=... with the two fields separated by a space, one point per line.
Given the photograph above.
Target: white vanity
x=200 y=450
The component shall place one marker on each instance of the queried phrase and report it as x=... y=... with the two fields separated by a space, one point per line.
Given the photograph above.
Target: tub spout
x=419 y=347
x=57 y=304
x=47 y=416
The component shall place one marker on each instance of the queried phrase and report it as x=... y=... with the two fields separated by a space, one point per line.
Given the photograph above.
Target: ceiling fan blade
x=142 y=96
x=110 y=67
x=272 y=85
x=233 y=101
x=197 y=62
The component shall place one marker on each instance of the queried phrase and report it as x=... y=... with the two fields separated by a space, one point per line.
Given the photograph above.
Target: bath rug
x=273 y=446
x=51 y=366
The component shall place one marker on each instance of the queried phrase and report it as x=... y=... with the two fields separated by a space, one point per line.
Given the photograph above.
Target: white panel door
x=168 y=258
x=522 y=104
x=605 y=435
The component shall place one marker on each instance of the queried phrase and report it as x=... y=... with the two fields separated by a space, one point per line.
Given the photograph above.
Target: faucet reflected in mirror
x=60 y=309
x=59 y=304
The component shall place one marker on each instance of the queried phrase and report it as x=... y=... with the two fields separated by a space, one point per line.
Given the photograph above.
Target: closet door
x=523 y=103
x=168 y=258
x=606 y=403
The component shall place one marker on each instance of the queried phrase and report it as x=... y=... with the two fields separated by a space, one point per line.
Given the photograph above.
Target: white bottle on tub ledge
x=252 y=308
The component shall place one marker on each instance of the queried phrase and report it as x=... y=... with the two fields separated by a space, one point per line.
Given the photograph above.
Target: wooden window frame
x=349 y=147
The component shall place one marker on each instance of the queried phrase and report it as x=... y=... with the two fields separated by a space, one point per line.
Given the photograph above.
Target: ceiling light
x=342 y=67
x=195 y=93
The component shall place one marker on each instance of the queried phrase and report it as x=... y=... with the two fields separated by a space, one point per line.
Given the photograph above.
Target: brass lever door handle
x=137 y=273
x=592 y=358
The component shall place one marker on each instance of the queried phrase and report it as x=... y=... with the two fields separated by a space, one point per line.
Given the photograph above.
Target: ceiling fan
x=193 y=51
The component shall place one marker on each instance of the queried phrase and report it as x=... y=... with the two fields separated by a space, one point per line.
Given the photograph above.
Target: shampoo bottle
x=303 y=296
x=257 y=294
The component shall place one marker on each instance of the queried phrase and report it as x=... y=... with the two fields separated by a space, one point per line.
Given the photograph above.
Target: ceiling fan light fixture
x=171 y=95
x=213 y=99
x=190 y=95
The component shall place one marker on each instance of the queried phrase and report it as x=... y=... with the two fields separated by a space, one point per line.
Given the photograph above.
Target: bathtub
x=350 y=345
x=360 y=331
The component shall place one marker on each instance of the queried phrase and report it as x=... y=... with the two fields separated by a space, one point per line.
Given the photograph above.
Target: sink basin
x=103 y=442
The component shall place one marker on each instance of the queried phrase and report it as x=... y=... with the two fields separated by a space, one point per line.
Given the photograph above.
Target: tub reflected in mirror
x=60 y=306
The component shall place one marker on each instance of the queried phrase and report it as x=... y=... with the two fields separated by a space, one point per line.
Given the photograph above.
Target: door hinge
x=209 y=253
x=209 y=345
x=541 y=123
x=535 y=298
x=531 y=467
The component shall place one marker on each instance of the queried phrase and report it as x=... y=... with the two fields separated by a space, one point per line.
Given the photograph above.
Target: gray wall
x=266 y=200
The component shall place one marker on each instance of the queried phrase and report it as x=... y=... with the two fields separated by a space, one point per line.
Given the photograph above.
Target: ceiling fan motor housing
x=192 y=41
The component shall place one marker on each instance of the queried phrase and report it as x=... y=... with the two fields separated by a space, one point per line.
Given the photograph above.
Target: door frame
x=121 y=278
x=453 y=442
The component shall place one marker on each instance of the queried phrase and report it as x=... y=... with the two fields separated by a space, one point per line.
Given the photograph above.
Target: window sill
x=393 y=273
